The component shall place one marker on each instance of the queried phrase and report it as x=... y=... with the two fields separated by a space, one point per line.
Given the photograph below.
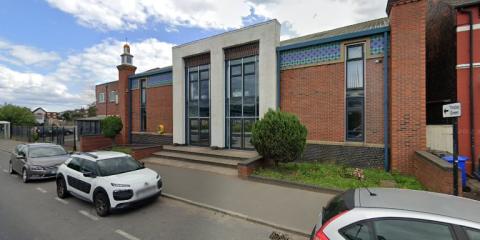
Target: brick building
x=365 y=92
x=107 y=99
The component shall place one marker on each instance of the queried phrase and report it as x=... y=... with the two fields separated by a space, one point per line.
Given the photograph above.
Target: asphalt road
x=32 y=211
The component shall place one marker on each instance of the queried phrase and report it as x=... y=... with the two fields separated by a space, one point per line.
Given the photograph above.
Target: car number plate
x=146 y=191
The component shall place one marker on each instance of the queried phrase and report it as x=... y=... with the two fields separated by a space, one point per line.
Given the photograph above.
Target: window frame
x=101 y=97
x=112 y=96
x=452 y=227
x=352 y=93
x=143 y=104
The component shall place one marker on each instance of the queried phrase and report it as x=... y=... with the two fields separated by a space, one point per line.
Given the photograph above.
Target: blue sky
x=53 y=52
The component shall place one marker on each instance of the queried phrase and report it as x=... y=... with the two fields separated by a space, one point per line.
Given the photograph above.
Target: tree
x=16 y=115
x=111 y=127
x=279 y=137
x=92 y=110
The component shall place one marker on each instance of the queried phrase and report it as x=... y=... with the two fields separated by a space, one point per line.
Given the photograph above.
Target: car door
x=85 y=182
x=19 y=158
x=73 y=175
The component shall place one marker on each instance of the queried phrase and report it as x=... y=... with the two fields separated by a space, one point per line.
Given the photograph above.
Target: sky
x=53 y=52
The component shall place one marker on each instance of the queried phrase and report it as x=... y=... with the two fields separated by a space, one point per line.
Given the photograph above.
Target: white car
x=111 y=180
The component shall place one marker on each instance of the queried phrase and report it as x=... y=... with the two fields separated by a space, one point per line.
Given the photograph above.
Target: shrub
x=279 y=136
x=111 y=127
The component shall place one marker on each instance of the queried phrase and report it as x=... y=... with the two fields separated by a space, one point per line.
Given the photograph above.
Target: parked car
x=55 y=131
x=37 y=160
x=110 y=180
x=395 y=214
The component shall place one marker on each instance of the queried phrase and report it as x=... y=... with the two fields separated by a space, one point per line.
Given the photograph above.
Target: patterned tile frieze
x=310 y=55
x=376 y=45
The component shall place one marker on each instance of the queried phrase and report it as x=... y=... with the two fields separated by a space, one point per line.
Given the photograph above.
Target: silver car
x=37 y=160
x=398 y=214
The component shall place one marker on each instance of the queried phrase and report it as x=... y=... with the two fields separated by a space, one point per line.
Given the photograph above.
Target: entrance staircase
x=205 y=155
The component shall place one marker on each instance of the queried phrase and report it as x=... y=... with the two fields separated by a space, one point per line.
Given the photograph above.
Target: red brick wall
x=106 y=108
x=434 y=177
x=407 y=83
x=141 y=153
x=317 y=96
x=92 y=143
x=463 y=87
x=159 y=109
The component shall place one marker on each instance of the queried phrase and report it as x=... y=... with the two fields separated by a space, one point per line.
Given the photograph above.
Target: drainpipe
x=386 y=135
x=470 y=77
x=278 y=79
x=129 y=92
x=106 y=99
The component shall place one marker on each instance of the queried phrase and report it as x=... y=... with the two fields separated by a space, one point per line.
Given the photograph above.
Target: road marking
x=5 y=170
x=86 y=214
x=61 y=200
x=126 y=235
x=41 y=190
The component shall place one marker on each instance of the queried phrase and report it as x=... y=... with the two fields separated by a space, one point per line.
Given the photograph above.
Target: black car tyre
x=102 y=204
x=25 y=176
x=10 y=168
x=62 y=191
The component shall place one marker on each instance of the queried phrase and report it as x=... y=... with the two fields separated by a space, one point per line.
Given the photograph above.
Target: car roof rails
x=87 y=154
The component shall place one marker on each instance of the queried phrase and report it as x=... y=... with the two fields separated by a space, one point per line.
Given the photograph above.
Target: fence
x=65 y=136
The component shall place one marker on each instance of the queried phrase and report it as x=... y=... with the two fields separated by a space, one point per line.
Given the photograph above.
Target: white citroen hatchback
x=111 y=180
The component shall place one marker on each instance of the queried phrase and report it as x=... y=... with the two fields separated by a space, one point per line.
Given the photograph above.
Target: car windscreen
x=38 y=152
x=113 y=166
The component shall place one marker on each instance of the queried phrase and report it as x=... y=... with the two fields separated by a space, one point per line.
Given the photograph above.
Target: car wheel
x=25 y=176
x=102 y=204
x=62 y=191
x=10 y=168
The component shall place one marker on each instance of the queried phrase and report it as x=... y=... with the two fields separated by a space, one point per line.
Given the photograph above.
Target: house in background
x=42 y=117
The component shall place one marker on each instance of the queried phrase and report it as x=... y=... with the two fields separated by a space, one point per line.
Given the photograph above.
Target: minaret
x=125 y=69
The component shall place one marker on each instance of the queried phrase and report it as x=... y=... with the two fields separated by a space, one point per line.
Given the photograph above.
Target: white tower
x=126 y=56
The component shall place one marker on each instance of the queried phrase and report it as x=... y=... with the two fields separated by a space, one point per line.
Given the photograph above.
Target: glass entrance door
x=242 y=101
x=198 y=105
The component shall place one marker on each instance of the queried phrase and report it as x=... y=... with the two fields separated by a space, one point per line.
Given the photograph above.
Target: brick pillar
x=408 y=82
x=124 y=71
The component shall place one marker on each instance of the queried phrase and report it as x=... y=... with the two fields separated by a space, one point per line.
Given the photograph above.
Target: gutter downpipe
x=470 y=78
x=129 y=110
x=386 y=113
x=278 y=79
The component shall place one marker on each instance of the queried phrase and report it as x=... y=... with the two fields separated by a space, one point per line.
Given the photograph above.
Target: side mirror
x=89 y=175
x=20 y=156
x=142 y=163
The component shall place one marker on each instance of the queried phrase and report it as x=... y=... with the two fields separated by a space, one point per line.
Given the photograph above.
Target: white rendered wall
x=268 y=36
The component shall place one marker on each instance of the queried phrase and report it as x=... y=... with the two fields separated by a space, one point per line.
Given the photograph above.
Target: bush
x=279 y=136
x=111 y=127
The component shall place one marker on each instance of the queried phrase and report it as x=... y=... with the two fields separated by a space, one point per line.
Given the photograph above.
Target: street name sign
x=452 y=110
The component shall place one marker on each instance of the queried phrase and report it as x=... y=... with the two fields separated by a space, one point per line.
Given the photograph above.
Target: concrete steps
x=205 y=155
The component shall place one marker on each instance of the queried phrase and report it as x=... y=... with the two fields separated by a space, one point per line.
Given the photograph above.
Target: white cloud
x=72 y=83
x=127 y=14
x=298 y=16
x=25 y=55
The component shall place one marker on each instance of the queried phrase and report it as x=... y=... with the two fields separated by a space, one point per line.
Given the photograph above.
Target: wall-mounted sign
x=452 y=110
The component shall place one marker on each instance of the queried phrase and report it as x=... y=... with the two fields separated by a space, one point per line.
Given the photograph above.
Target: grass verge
x=335 y=176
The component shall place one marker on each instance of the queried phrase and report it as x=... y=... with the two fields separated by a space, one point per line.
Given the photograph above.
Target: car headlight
x=119 y=185
x=37 y=168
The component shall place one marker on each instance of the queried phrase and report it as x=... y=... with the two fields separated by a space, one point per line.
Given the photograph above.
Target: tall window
x=355 y=62
x=113 y=96
x=143 y=105
x=242 y=101
x=198 y=103
x=101 y=97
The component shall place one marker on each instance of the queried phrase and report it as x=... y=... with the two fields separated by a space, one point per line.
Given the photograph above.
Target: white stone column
x=178 y=88
x=217 y=97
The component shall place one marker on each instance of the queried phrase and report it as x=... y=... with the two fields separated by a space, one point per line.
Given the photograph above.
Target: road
x=32 y=211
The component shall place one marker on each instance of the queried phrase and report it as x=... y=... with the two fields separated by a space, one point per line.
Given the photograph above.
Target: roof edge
x=334 y=38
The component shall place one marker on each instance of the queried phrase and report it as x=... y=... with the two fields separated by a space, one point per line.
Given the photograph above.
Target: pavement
x=33 y=211
x=285 y=208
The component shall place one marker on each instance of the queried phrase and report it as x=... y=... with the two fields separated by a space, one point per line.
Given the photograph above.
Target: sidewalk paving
x=285 y=207
x=8 y=145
